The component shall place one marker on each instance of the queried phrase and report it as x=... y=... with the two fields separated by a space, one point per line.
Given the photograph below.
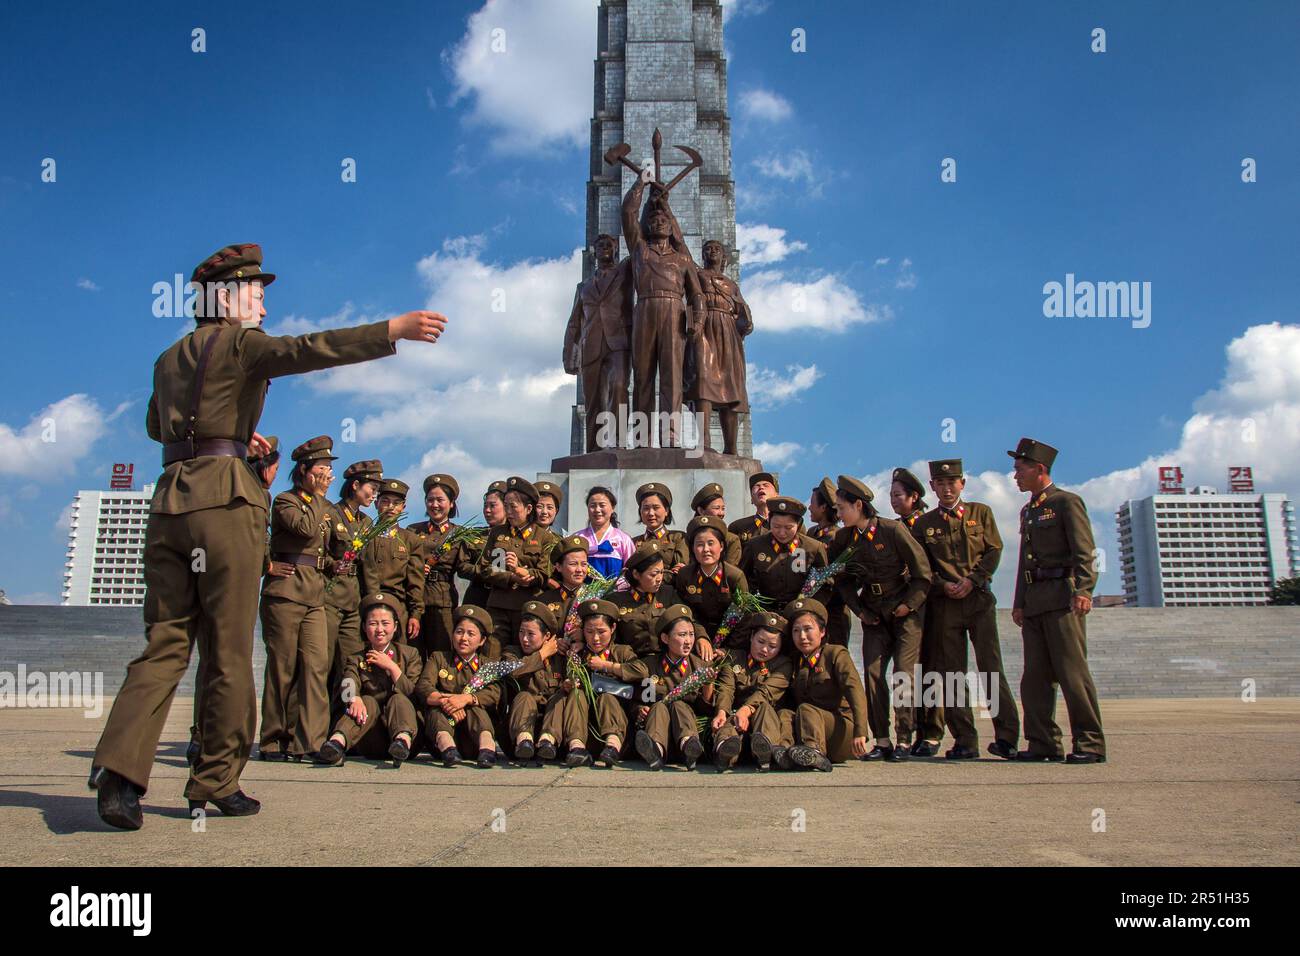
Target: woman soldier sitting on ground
x=453 y=713
x=607 y=727
x=751 y=687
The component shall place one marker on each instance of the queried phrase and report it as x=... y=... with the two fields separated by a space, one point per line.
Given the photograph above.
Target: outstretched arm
x=631 y=216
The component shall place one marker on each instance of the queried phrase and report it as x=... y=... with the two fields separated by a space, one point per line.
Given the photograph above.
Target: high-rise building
x=1204 y=549
x=105 y=563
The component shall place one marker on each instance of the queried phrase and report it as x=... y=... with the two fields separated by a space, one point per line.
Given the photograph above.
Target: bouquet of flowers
x=596 y=586
x=471 y=536
x=359 y=543
x=491 y=672
x=818 y=577
x=743 y=604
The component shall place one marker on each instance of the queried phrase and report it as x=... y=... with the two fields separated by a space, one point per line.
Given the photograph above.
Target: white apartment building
x=105 y=563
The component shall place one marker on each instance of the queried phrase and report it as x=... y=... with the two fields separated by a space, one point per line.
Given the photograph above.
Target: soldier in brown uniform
x=664 y=274
x=516 y=560
x=494 y=516
x=962 y=542
x=569 y=569
x=751 y=687
x=710 y=501
x=821 y=508
x=886 y=583
x=537 y=718
x=654 y=504
x=762 y=485
x=1053 y=596
x=907 y=496
x=394 y=561
x=295 y=688
x=343 y=587
x=442 y=562
x=208 y=392
x=707 y=583
x=829 y=718
x=715 y=365
x=598 y=340
x=452 y=712
x=550 y=498
x=377 y=683
x=670 y=729
x=776 y=564
x=607 y=719
x=645 y=598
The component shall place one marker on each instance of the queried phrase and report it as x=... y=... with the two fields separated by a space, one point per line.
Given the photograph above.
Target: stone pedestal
x=625 y=470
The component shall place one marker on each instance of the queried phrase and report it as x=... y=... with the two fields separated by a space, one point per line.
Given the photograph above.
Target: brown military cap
x=806 y=605
x=1033 y=450
x=705 y=495
x=394 y=486
x=472 y=612
x=498 y=486
x=372 y=469
x=827 y=489
x=543 y=613
x=763 y=476
x=275 y=450
x=655 y=488
x=671 y=615
x=947 y=468
x=446 y=481
x=854 y=488
x=523 y=486
x=768 y=620
x=382 y=599
x=242 y=262
x=910 y=481
x=552 y=489
x=646 y=554
x=568 y=545
x=781 y=505
x=700 y=522
x=608 y=608
x=315 y=449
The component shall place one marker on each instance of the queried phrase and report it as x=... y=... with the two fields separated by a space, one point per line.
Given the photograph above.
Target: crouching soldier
x=375 y=688
x=671 y=729
x=613 y=667
x=753 y=682
x=830 y=716
x=539 y=702
x=453 y=712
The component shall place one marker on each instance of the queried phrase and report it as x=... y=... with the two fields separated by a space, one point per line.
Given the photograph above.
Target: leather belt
x=1046 y=574
x=185 y=449
x=878 y=590
x=306 y=560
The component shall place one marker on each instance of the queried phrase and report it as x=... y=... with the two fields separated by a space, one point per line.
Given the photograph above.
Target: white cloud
x=760 y=244
x=87 y=284
x=793 y=167
x=527 y=69
x=743 y=8
x=765 y=105
x=828 y=303
x=906 y=278
x=777 y=454
x=882 y=262
x=768 y=387
x=53 y=440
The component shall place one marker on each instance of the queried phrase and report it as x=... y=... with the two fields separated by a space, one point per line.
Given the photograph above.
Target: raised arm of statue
x=632 y=216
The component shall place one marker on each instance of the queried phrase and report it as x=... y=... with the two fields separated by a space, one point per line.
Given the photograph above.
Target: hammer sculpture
x=619 y=154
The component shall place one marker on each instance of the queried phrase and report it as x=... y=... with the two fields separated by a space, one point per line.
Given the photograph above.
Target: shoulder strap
x=200 y=372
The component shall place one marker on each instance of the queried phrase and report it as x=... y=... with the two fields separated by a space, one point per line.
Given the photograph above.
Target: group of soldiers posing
x=371 y=650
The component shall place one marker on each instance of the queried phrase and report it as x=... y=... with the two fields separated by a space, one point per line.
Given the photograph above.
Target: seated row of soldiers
x=785 y=697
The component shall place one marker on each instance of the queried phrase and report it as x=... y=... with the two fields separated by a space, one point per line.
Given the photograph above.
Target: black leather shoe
x=1000 y=748
x=900 y=753
x=117 y=799
x=1077 y=757
x=192 y=752
x=648 y=751
x=487 y=759
x=609 y=757
x=577 y=757
x=330 y=753
x=1029 y=756
x=761 y=748
x=451 y=757
x=879 y=752
x=546 y=750
x=399 y=750
x=317 y=757
x=962 y=753
x=781 y=758
x=727 y=753
x=238 y=804
x=808 y=757
x=524 y=751
x=279 y=756
x=692 y=751
x=923 y=748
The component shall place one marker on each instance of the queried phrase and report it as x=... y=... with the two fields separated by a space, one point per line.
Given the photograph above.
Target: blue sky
x=1115 y=166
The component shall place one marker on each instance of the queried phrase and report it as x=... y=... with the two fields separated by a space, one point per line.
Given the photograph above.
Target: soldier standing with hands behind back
x=208 y=391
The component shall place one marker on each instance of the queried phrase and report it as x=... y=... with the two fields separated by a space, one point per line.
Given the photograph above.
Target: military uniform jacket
x=747 y=682
x=372 y=681
x=447 y=673
x=629 y=664
x=300 y=525
x=234 y=389
x=637 y=612
x=392 y=562
x=661 y=670
x=824 y=533
x=748 y=528
x=963 y=543
x=707 y=597
x=537 y=676
x=887 y=568
x=672 y=545
x=444 y=562
x=770 y=567
x=532 y=544
x=912 y=521
x=833 y=684
x=345 y=592
x=1056 y=552
x=559 y=600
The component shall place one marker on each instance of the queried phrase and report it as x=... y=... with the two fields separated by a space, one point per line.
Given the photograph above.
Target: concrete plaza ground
x=1189 y=783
